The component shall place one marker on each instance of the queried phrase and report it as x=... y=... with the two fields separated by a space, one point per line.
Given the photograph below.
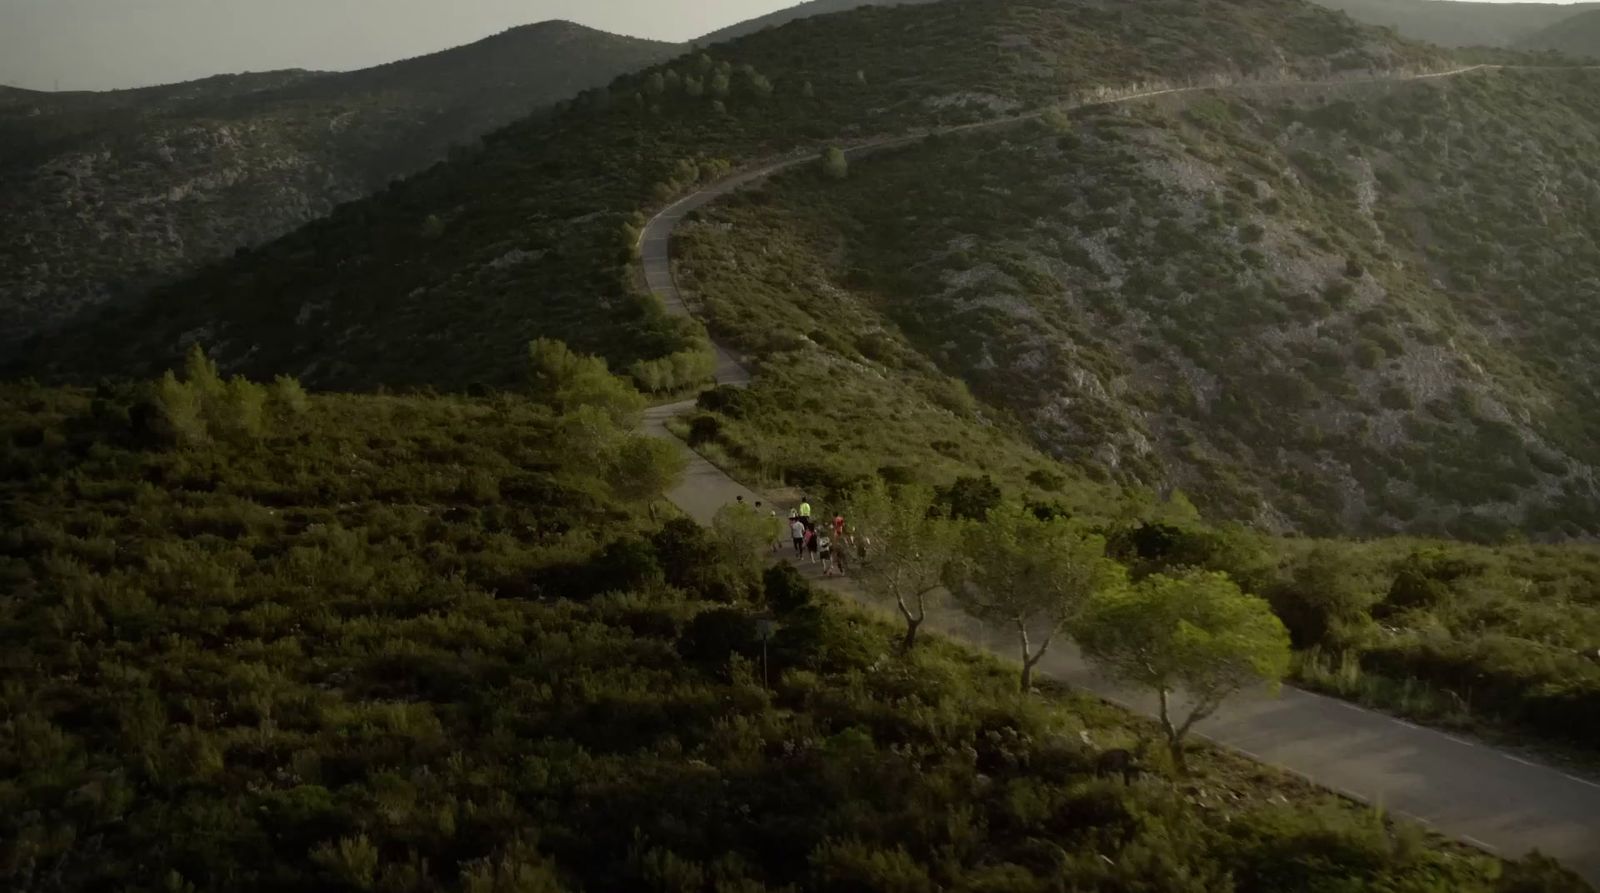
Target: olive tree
x=1195 y=633
x=1031 y=574
x=908 y=543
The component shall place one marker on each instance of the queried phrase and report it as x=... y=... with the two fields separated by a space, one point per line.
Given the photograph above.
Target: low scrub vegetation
x=424 y=643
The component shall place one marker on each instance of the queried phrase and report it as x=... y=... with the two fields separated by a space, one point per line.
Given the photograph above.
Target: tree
x=655 y=84
x=908 y=545
x=742 y=535
x=835 y=166
x=1196 y=632
x=179 y=413
x=643 y=468
x=720 y=85
x=1031 y=574
x=808 y=91
x=566 y=380
x=970 y=498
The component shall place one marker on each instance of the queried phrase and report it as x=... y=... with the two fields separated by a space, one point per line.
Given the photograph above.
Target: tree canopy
x=1029 y=574
x=1194 y=633
x=908 y=543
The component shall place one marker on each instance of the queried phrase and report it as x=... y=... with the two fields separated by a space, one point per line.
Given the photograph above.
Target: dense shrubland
x=836 y=309
x=1300 y=312
x=109 y=195
x=418 y=643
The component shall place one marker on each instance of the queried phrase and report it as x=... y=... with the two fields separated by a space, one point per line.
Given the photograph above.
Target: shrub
x=733 y=402
x=855 y=867
x=716 y=635
x=704 y=429
x=1047 y=480
x=1324 y=603
x=835 y=166
x=896 y=475
x=627 y=565
x=785 y=590
x=969 y=498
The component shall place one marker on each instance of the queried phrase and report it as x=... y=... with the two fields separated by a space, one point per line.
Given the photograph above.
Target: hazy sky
x=105 y=44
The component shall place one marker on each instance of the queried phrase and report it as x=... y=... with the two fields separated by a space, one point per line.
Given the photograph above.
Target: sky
x=110 y=44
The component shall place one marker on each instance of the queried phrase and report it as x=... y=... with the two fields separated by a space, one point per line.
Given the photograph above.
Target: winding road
x=1492 y=799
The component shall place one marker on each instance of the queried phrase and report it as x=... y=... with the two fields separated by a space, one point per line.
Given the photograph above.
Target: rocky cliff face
x=105 y=196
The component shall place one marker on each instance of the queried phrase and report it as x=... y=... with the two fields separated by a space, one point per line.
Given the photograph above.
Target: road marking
x=1350 y=795
x=1461 y=741
x=1522 y=761
x=1582 y=781
x=1468 y=838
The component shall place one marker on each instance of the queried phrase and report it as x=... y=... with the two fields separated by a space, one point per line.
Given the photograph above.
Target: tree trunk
x=913 y=622
x=910 y=640
x=1174 y=737
x=1027 y=661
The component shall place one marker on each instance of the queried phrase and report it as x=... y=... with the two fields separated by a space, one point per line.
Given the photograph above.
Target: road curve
x=1491 y=799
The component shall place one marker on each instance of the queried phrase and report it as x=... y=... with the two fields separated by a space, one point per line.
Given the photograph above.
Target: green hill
x=1356 y=311
x=259 y=641
x=435 y=281
x=798 y=11
x=110 y=194
x=1578 y=36
x=444 y=634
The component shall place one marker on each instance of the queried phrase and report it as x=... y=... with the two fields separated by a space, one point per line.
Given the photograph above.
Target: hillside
x=1276 y=304
x=443 y=634
x=1452 y=23
x=106 y=195
x=1578 y=36
x=434 y=282
x=791 y=13
x=260 y=641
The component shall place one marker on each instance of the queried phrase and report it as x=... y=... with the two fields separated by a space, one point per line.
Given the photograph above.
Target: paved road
x=1486 y=797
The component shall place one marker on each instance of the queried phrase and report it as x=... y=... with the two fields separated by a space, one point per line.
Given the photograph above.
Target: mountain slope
x=1359 y=309
x=440 y=280
x=105 y=195
x=356 y=642
x=1459 y=24
x=1576 y=36
x=798 y=11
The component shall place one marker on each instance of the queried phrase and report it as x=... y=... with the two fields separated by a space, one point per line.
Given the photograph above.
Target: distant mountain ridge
x=799 y=11
x=105 y=195
x=1576 y=36
x=1453 y=23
